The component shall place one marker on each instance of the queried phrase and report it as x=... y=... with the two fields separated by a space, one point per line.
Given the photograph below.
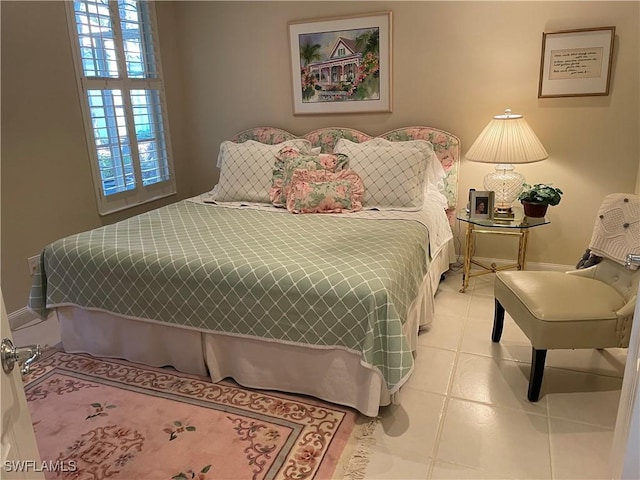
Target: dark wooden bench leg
x=498 y=322
x=538 y=358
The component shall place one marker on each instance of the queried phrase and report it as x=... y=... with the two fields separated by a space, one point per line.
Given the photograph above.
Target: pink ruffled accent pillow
x=321 y=191
x=288 y=160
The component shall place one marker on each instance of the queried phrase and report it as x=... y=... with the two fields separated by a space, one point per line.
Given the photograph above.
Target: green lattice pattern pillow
x=245 y=169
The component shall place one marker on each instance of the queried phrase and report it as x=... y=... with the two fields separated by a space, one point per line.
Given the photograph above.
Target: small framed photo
x=481 y=204
x=576 y=62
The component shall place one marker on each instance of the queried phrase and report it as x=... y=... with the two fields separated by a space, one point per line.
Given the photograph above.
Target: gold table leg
x=520 y=264
x=522 y=248
x=468 y=251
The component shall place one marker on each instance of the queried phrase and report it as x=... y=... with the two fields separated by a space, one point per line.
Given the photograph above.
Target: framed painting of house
x=341 y=65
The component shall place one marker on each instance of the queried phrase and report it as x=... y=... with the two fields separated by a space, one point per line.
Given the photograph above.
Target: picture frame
x=577 y=62
x=342 y=64
x=481 y=204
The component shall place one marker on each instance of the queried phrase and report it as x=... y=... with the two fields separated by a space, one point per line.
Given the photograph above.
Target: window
x=120 y=80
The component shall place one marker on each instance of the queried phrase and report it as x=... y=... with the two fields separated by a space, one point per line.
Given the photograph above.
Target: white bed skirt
x=331 y=374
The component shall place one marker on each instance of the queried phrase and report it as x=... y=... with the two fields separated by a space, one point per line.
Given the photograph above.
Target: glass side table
x=518 y=226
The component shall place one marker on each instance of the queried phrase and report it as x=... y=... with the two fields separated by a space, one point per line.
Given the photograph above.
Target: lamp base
x=503 y=213
x=507 y=185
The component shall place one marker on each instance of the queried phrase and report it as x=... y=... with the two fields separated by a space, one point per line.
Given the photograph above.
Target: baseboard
x=20 y=318
x=550 y=266
x=529 y=266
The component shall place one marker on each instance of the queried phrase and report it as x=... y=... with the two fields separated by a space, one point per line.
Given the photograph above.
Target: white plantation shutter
x=119 y=76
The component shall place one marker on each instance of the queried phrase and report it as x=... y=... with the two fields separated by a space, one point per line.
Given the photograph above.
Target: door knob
x=632 y=260
x=24 y=356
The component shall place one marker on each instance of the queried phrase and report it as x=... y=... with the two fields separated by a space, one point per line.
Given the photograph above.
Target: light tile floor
x=464 y=412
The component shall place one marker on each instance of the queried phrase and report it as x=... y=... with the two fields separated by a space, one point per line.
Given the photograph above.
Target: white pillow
x=246 y=169
x=434 y=174
x=393 y=174
x=435 y=182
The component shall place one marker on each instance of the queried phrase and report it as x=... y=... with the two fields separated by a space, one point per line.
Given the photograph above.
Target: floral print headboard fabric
x=445 y=145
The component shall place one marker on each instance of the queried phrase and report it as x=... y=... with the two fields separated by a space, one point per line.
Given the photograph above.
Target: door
x=625 y=461
x=18 y=449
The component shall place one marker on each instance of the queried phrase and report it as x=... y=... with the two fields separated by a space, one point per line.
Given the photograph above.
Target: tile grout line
x=549 y=443
x=445 y=406
x=553 y=469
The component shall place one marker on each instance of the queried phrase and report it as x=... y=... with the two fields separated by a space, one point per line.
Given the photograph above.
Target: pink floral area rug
x=110 y=419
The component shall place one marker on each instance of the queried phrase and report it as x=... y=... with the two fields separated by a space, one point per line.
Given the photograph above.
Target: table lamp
x=506 y=140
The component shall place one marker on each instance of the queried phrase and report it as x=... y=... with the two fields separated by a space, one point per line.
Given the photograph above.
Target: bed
x=226 y=284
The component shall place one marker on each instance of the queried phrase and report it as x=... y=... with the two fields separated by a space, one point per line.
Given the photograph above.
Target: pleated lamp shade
x=506 y=140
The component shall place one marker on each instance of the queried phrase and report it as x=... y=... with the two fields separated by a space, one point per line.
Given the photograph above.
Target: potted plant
x=536 y=198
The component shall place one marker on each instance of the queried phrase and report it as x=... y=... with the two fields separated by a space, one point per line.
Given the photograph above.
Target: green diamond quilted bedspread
x=321 y=280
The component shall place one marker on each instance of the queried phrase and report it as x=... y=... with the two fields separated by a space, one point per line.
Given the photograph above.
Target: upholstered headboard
x=445 y=145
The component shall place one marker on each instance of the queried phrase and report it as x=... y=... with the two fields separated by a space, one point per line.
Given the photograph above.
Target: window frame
x=140 y=193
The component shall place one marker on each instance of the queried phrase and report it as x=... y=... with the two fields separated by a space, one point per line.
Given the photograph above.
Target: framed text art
x=576 y=62
x=341 y=65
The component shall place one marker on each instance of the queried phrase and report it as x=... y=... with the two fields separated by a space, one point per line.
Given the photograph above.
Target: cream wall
x=455 y=65
x=227 y=68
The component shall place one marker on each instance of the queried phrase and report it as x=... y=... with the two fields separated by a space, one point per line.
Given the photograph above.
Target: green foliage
x=541 y=193
x=309 y=53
